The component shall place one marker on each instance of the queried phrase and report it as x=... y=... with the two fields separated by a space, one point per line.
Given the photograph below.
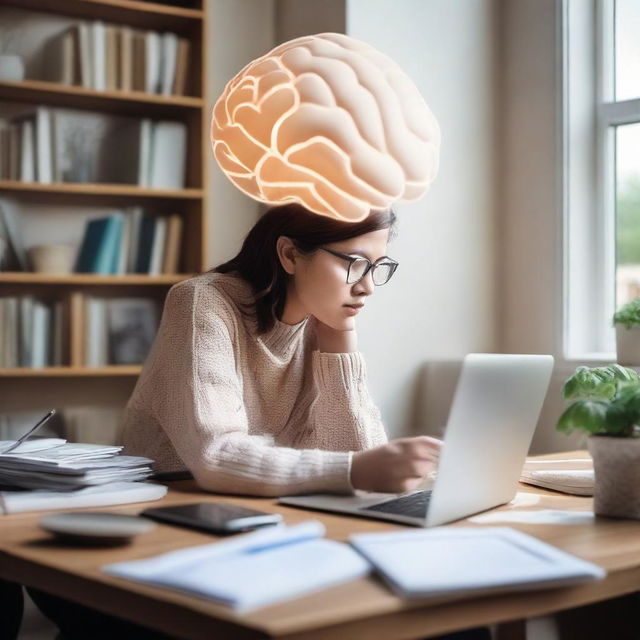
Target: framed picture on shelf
x=131 y=326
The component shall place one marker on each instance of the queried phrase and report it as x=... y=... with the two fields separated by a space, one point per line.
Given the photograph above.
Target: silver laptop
x=494 y=413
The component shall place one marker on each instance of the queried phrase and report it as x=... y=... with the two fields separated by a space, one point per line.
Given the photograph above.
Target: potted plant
x=626 y=320
x=606 y=405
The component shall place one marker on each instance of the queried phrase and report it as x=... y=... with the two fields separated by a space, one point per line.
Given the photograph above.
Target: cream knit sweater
x=246 y=413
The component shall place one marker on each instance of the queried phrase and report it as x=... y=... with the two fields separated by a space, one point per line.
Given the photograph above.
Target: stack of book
x=55 y=145
x=108 y=57
x=51 y=473
x=31 y=332
x=131 y=242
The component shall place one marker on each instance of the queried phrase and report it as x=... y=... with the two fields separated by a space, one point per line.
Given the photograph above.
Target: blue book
x=145 y=244
x=100 y=246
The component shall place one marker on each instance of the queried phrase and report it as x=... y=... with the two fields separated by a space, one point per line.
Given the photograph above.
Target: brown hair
x=257 y=261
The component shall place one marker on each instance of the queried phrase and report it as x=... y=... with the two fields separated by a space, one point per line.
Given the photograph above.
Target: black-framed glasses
x=381 y=270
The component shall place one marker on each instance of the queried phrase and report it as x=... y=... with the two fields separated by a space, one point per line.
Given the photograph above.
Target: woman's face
x=318 y=283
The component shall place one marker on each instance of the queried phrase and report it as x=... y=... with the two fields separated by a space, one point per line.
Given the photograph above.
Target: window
x=601 y=126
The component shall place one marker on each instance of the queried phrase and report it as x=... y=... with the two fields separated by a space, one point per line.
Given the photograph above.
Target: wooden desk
x=360 y=609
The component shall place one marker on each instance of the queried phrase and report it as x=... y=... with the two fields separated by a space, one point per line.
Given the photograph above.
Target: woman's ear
x=287 y=254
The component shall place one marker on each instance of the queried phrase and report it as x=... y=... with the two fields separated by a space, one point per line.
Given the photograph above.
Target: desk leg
x=515 y=630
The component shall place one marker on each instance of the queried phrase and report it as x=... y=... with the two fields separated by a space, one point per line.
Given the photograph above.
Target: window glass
x=627 y=212
x=627 y=49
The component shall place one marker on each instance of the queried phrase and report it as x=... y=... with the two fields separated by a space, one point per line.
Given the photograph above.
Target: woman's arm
x=344 y=405
x=198 y=401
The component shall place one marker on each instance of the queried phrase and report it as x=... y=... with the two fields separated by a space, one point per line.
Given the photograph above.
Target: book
x=139 y=73
x=152 y=62
x=145 y=244
x=14 y=257
x=145 y=150
x=157 y=247
x=458 y=562
x=59 y=58
x=100 y=248
x=44 y=150
x=111 y=57
x=180 y=81
x=25 y=330
x=125 y=58
x=9 y=350
x=172 y=244
x=168 y=67
x=96 y=348
x=27 y=150
x=84 y=53
x=41 y=328
x=571 y=475
x=98 y=55
x=168 y=157
x=296 y=559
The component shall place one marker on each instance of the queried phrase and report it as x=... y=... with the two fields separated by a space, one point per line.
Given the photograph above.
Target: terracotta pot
x=628 y=344
x=616 y=462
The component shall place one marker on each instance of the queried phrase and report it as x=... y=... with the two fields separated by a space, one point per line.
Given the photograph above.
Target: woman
x=254 y=383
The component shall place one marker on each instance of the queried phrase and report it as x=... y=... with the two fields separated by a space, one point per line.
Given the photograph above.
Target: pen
x=22 y=438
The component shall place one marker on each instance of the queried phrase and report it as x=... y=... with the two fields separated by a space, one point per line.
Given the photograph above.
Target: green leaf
x=628 y=314
x=584 y=415
x=597 y=382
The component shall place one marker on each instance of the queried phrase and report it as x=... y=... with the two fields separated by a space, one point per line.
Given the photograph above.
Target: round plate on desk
x=95 y=528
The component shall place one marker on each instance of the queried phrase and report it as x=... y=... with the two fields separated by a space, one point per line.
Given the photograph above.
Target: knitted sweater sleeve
x=343 y=406
x=199 y=404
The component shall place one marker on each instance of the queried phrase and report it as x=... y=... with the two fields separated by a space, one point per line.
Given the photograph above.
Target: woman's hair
x=257 y=261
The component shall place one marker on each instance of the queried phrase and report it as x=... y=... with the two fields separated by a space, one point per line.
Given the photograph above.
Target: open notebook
x=568 y=475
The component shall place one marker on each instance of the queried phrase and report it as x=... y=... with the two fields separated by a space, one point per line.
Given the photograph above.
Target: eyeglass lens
x=381 y=272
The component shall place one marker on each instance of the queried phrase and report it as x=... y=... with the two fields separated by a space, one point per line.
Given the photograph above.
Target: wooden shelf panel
x=150 y=15
x=134 y=103
x=68 y=372
x=92 y=279
x=91 y=189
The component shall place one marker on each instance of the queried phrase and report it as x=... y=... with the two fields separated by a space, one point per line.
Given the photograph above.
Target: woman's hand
x=395 y=467
x=333 y=341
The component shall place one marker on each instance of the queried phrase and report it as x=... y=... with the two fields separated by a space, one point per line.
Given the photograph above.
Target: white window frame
x=589 y=115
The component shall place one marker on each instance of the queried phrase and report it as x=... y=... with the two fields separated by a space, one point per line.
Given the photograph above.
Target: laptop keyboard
x=414 y=505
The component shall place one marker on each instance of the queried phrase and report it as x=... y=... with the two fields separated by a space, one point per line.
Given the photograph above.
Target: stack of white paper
x=460 y=561
x=68 y=466
x=255 y=569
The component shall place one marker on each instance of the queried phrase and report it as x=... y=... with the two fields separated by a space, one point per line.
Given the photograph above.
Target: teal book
x=100 y=248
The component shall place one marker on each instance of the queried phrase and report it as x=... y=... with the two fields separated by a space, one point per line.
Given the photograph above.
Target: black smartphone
x=213 y=517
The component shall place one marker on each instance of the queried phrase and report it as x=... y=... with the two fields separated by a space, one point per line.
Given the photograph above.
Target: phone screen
x=215 y=517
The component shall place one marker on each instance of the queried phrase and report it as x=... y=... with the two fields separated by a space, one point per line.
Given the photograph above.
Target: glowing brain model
x=329 y=122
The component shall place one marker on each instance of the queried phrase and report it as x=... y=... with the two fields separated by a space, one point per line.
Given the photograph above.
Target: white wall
x=530 y=311
x=480 y=253
x=442 y=302
x=239 y=31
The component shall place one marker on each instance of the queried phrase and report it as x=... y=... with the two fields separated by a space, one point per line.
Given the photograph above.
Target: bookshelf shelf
x=74 y=279
x=152 y=15
x=70 y=372
x=86 y=189
x=134 y=103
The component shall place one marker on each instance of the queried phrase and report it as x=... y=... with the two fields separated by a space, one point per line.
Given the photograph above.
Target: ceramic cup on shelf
x=52 y=258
